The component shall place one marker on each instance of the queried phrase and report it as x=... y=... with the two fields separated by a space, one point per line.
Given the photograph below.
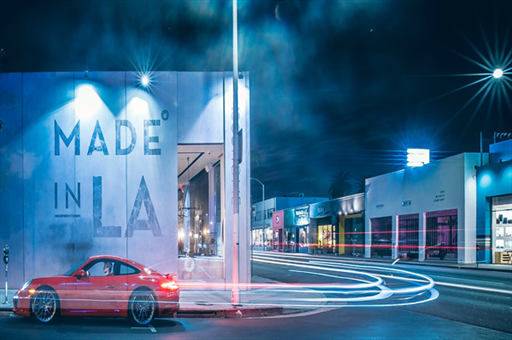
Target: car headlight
x=25 y=286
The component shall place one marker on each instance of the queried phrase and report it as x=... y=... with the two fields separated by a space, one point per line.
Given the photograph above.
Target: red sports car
x=100 y=286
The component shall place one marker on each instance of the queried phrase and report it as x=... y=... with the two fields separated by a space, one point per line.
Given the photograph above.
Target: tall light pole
x=235 y=297
x=264 y=216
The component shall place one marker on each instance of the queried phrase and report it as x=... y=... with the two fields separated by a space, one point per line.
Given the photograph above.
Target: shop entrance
x=408 y=236
x=381 y=236
x=289 y=240
x=303 y=239
x=200 y=231
x=278 y=240
x=441 y=235
x=353 y=227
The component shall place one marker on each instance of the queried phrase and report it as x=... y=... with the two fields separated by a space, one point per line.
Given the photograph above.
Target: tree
x=360 y=186
x=340 y=185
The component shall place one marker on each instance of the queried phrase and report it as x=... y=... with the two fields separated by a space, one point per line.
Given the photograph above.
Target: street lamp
x=498 y=73
x=264 y=215
x=235 y=297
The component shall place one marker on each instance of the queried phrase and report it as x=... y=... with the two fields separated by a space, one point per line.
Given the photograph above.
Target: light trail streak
x=377 y=292
x=429 y=281
x=336 y=262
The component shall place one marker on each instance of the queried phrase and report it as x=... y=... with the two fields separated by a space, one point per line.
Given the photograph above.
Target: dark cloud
x=335 y=85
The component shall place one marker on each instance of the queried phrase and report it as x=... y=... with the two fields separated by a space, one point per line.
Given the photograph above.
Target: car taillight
x=170 y=285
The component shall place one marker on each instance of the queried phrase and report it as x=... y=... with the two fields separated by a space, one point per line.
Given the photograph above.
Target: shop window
x=257 y=238
x=441 y=234
x=325 y=237
x=269 y=212
x=502 y=229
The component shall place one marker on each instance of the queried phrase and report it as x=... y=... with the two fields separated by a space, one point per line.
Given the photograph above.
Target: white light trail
x=372 y=292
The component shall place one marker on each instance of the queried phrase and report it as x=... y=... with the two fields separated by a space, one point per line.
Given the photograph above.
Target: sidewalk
x=265 y=300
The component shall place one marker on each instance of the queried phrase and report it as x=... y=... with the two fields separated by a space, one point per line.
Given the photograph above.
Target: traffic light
x=6 y=254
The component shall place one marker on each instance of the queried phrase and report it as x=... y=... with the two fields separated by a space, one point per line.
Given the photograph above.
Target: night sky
x=335 y=85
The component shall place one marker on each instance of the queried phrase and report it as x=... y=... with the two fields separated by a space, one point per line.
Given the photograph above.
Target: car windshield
x=74 y=268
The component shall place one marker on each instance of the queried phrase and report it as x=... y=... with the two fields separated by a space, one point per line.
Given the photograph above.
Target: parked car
x=101 y=285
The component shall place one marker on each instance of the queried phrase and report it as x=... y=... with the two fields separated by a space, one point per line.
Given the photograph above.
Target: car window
x=101 y=268
x=75 y=267
x=127 y=270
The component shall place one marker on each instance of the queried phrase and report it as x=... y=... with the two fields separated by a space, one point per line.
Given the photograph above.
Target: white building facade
x=426 y=212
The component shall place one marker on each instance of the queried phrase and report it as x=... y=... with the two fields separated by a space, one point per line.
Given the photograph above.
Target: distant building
x=455 y=209
x=260 y=217
x=331 y=226
x=337 y=226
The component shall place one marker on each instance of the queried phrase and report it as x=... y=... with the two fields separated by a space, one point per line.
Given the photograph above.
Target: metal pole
x=235 y=298
x=264 y=219
x=481 y=150
x=6 y=299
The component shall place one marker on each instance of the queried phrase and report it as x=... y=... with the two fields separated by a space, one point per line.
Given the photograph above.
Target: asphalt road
x=470 y=296
x=472 y=304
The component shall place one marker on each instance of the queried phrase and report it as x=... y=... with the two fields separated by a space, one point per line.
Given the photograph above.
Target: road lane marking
x=151 y=328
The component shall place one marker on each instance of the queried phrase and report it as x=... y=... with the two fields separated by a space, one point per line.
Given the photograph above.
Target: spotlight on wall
x=144 y=80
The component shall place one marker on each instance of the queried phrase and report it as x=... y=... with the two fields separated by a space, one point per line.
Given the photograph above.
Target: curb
x=232 y=313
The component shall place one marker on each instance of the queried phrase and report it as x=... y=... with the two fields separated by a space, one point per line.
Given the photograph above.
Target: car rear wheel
x=45 y=305
x=142 y=307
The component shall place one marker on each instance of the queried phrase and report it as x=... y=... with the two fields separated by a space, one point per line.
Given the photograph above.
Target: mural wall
x=89 y=166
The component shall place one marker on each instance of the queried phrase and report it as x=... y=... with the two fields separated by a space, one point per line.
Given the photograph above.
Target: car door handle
x=111 y=287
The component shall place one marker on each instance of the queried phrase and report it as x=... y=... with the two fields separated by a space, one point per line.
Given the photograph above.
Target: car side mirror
x=80 y=273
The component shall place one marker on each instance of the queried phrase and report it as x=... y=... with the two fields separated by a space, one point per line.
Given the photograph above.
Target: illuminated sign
x=302 y=216
x=418 y=157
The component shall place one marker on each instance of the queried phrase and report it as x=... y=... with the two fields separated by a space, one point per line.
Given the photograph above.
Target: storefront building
x=494 y=206
x=96 y=163
x=337 y=226
x=290 y=228
x=426 y=212
x=260 y=218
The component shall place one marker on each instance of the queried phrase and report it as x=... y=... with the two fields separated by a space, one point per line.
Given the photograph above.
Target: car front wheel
x=142 y=307
x=45 y=305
